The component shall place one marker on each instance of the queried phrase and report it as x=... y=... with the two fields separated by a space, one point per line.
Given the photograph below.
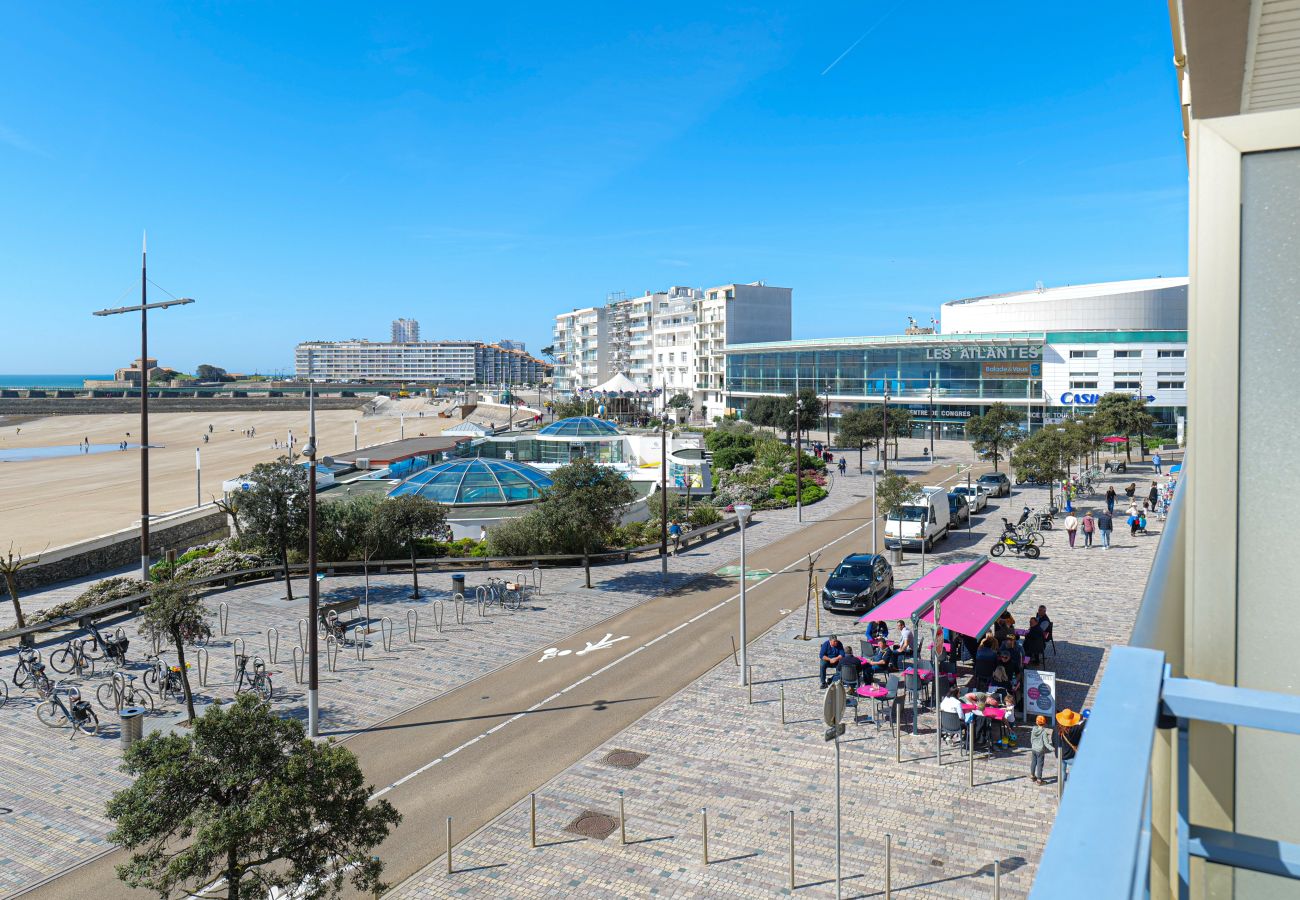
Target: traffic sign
x=834 y=731
x=833 y=705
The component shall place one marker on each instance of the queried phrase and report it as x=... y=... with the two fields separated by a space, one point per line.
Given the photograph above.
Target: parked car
x=996 y=483
x=859 y=583
x=921 y=523
x=976 y=496
x=958 y=510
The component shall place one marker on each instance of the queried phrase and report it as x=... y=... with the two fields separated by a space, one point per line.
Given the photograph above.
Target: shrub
x=459 y=549
x=786 y=490
x=704 y=515
x=730 y=457
x=223 y=562
x=100 y=592
x=162 y=571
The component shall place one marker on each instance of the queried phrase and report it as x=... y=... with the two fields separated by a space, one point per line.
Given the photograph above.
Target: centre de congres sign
x=981 y=352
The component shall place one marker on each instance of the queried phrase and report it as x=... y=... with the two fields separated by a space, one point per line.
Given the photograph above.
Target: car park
x=996 y=483
x=859 y=583
x=976 y=496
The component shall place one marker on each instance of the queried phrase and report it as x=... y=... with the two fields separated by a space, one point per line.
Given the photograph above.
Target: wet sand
x=56 y=501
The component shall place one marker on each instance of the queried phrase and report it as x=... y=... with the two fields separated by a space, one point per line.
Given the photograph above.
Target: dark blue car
x=859 y=583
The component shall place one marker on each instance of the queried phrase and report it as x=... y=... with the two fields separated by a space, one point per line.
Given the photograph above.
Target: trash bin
x=897 y=556
x=132 y=724
x=458 y=583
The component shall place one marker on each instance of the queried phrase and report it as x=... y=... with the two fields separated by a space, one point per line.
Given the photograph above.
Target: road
x=478 y=749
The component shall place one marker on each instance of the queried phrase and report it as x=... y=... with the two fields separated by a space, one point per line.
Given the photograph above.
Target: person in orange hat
x=1069 y=727
x=1040 y=744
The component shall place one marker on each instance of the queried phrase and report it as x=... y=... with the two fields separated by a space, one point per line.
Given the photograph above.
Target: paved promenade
x=708 y=747
x=55 y=789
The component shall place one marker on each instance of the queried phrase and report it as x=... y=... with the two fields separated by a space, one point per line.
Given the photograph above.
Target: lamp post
x=742 y=515
x=355 y=436
x=884 y=425
x=798 y=454
x=663 y=492
x=828 y=414
x=931 y=417
x=143 y=310
x=874 y=465
x=198 y=478
x=313 y=585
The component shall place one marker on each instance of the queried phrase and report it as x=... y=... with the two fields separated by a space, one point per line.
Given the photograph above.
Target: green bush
x=703 y=515
x=730 y=457
x=786 y=489
x=464 y=548
x=162 y=571
x=100 y=592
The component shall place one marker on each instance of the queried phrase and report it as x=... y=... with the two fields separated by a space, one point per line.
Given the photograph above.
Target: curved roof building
x=581 y=426
x=467 y=482
x=1147 y=304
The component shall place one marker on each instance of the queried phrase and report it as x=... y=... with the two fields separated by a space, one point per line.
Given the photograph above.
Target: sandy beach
x=57 y=501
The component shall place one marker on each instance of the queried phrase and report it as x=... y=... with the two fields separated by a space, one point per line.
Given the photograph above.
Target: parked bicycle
x=121 y=691
x=254 y=678
x=164 y=680
x=104 y=647
x=57 y=712
x=28 y=658
x=72 y=658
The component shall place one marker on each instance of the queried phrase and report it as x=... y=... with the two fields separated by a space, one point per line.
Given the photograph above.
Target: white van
x=923 y=522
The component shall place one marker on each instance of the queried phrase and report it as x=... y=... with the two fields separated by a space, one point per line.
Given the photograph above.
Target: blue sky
x=315 y=170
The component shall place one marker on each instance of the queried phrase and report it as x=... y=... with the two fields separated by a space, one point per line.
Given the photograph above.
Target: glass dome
x=469 y=481
x=581 y=426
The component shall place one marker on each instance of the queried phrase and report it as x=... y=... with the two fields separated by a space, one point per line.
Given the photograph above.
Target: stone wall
x=72 y=406
x=113 y=551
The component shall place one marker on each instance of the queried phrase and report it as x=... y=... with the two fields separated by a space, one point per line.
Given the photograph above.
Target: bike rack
x=223 y=616
x=484 y=597
x=386 y=634
x=439 y=609
x=359 y=642
x=458 y=602
x=302 y=635
x=537 y=580
x=201 y=663
x=273 y=646
x=299 y=662
x=331 y=653
x=412 y=626
x=238 y=648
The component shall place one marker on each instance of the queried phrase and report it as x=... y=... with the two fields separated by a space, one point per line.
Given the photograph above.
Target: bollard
x=439 y=609
x=734 y=658
x=359 y=641
x=889 y=866
x=749 y=683
x=386 y=634
x=449 y=869
x=970 y=733
x=704 y=831
x=223 y=617
x=532 y=821
x=782 y=704
x=302 y=634
x=299 y=660
x=412 y=626
x=898 y=735
x=273 y=643
x=622 y=820
x=201 y=663
x=792 y=849
x=997 y=879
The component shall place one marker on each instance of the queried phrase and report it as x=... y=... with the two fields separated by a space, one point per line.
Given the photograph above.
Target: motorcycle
x=1012 y=541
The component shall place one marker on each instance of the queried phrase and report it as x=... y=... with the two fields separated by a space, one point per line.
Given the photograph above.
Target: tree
x=274 y=510
x=810 y=411
x=900 y=425
x=10 y=565
x=995 y=432
x=206 y=372
x=1040 y=457
x=765 y=411
x=246 y=797
x=175 y=612
x=679 y=401
x=353 y=529
x=861 y=427
x=410 y=517
x=893 y=492
x=229 y=505
x=1127 y=415
x=593 y=498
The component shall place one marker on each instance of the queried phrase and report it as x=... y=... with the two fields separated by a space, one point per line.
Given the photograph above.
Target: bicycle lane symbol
x=604 y=643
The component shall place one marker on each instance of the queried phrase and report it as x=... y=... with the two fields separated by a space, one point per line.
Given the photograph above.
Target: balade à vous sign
x=983 y=352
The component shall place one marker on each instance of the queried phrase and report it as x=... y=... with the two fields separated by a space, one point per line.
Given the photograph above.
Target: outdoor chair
x=952 y=730
x=885 y=705
x=914 y=686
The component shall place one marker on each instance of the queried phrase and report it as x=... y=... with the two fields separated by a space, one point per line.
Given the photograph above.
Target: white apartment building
x=673 y=330
x=582 y=349
x=466 y=362
x=405 y=331
x=733 y=314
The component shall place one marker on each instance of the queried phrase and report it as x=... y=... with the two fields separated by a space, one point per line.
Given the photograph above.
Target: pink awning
x=942 y=576
x=968 y=612
x=902 y=605
x=998 y=581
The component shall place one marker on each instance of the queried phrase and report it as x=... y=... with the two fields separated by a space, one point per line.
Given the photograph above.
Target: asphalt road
x=478 y=749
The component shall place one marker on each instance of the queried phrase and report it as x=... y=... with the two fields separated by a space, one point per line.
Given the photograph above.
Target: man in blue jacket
x=831 y=653
x=1105 y=525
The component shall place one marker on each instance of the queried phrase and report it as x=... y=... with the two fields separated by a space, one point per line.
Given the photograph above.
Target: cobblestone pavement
x=707 y=747
x=52 y=798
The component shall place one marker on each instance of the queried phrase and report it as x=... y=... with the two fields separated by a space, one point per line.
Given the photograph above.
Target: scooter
x=1015 y=543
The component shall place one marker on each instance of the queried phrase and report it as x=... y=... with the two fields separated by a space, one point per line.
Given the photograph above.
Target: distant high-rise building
x=405 y=331
x=512 y=345
x=436 y=361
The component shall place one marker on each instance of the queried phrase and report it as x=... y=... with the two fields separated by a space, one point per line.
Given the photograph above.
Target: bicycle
x=121 y=691
x=78 y=713
x=28 y=657
x=259 y=682
x=113 y=649
x=73 y=658
x=164 y=680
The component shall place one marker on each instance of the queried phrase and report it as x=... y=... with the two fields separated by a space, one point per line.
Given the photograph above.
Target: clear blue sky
x=315 y=170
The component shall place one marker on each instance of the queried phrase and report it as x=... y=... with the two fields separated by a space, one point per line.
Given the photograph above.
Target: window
x=1170 y=385
x=1128 y=354
x=1170 y=354
x=1128 y=385
x=1079 y=383
x=1083 y=354
x=1128 y=374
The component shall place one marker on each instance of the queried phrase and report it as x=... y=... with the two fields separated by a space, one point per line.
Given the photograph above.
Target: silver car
x=976 y=496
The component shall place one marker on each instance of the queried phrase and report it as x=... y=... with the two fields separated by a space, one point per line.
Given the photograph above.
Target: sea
x=48 y=381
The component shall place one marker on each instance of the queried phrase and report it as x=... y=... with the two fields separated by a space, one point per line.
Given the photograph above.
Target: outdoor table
x=1021 y=632
x=872 y=691
x=923 y=675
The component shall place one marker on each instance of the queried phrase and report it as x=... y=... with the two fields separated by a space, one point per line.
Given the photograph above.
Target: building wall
x=1153 y=304
x=458 y=361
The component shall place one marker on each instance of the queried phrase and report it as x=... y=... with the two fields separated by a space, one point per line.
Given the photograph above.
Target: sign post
x=1040 y=694
x=833 y=716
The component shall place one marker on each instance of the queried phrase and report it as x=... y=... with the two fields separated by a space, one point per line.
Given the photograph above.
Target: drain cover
x=625 y=759
x=593 y=825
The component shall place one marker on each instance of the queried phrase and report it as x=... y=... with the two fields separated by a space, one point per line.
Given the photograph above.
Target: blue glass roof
x=581 y=426
x=470 y=481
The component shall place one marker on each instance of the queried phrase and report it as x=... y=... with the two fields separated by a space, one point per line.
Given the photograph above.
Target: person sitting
x=849 y=673
x=986 y=659
x=980 y=700
x=1004 y=627
x=902 y=651
x=1035 y=642
x=877 y=630
x=831 y=653
x=880 y=658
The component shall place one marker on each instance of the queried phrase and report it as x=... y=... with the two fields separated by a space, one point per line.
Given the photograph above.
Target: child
x=1040 y=744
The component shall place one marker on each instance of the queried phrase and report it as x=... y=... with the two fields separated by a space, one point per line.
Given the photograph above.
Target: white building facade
x=462 y=362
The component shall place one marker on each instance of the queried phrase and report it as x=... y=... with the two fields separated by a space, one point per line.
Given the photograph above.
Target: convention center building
x=1045 y=352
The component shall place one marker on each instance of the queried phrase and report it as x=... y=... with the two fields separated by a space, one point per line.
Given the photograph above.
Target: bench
x=330 y=617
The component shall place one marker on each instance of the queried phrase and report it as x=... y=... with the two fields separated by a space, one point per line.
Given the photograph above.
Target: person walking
x=1152 y=495
x=1071 y=528
x=1105 y=524
x=842 y=466
x=1089 y=525
x=1110 y=499
x=1157 y=462
x=1040 y=744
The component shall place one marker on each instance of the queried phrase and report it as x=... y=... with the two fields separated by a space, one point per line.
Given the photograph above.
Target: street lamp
x=798 y=454
x=313 y=583
x=884 y=425
x=663 y=490
x=143 y=310
x=742 y=515
x=873 y=465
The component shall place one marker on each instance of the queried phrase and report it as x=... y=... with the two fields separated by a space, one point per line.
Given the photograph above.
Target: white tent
x=621 y=386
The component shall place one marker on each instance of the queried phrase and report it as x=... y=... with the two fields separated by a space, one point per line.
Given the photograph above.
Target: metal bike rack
x=273 y=643
x=459 y=608
x=223 y=617
x=201 y=663
x=359 y=642
x=302 y=635
x=332 y=653
x=484 y=597
x=238 y=648
x=412 y=626
x=299 y=661
x=386 y=634
x=439 y=610
x=537 y=580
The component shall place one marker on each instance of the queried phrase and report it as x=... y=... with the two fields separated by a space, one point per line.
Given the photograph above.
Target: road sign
x=834 y=731
x=833 y=706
